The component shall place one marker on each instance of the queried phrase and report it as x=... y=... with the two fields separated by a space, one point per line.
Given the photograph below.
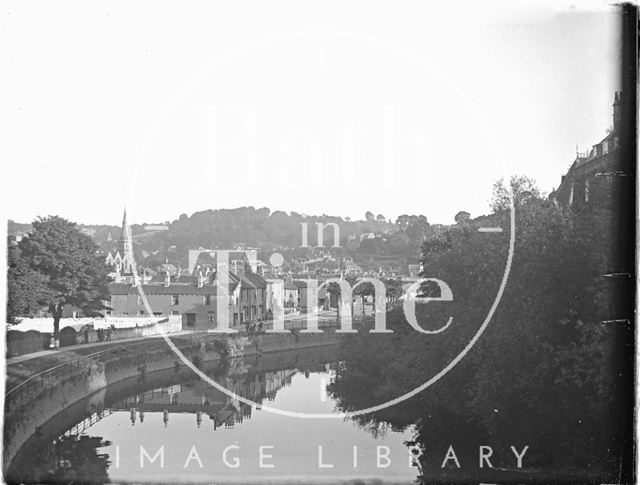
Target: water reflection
x=172 y=427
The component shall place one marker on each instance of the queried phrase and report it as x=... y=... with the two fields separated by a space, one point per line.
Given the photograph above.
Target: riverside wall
x=26 y=412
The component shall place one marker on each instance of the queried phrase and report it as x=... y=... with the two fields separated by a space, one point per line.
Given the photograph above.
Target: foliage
x=75 y=275
x=543 y=373
x=521 y=188
x=27 y=289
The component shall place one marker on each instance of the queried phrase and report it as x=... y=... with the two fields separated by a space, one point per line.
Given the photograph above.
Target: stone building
x=595 y=170
x=194 y=298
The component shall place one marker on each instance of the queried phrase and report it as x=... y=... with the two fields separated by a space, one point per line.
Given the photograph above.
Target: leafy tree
x=333 y=289
x=27 y=289
x=363 y=290
x=417 y=229
x=462 y=217
x=402 y=222
x=545 y=357
x=74 y=274
x=393 y=287
x=522 y=187
x=369 y=216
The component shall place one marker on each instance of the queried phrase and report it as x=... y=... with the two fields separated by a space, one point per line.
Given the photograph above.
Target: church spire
x=122 y=242
x=125 y=247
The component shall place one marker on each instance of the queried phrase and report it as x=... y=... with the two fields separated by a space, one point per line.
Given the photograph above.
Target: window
x=207 y=300
x=175 y=312
x=142 y=313
x=190 y=319
x=586 y=191
x=211 y=317
x=157 y=314
x=175 y=300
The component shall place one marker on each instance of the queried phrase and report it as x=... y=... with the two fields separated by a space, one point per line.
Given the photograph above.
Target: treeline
x=546 y=372
x=261 y=228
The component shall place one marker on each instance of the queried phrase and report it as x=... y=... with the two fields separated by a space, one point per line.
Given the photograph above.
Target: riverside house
x=194 y=298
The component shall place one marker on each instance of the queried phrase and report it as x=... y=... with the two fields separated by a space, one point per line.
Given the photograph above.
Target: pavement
x=79 y=348
x=22 y=367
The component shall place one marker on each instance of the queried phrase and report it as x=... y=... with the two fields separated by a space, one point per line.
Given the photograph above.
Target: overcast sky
x=331 y=107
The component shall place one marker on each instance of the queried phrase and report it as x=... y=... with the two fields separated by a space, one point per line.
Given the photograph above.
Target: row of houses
x=251 y=297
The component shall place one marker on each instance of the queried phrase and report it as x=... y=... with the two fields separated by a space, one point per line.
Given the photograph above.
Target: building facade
x=594 y=171
x=195 y=298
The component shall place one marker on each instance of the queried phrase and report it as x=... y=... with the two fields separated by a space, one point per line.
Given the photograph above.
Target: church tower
x=120 y=256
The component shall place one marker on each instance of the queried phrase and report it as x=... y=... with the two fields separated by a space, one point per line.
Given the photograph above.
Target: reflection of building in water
x=202 y=398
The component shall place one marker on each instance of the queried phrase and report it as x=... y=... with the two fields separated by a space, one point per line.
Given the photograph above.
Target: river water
x=171 y=427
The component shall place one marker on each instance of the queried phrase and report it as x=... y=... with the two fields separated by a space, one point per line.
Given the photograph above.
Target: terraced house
x=194 y=298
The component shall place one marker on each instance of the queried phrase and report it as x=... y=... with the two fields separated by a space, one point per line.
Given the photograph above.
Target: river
x=171 y=426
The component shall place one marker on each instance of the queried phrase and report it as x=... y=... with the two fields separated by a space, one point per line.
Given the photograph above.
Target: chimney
x=239 y=269
x=200 y=280
x=167 y=279
x=617 y=111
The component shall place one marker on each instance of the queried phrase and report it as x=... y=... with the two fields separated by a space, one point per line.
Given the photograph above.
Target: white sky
x=104 y=103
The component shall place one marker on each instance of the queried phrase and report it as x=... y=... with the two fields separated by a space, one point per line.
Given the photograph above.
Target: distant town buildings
x=194 y=297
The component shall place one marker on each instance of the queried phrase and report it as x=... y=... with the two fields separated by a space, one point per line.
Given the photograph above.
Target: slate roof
x=252 y=280
x=185 y=280
x=173 y=289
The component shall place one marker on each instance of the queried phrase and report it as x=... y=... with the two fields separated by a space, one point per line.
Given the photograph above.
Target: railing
x=18 y=393
x=86 y=423
x=299 y=324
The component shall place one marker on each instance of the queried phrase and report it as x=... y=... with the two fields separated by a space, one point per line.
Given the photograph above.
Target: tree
x=74 y=274
x=394 y=290
x=27 y=289
x=462 y=218
x=545 y=358
x=417 y=229
x=522 y=187
x=381 y=218
x=334 y=290
x=402 y=222
x=369 y=216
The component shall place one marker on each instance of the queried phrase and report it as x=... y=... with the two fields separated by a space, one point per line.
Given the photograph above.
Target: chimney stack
x=167 y=279
x=617 y=111
x=200 y=280
x=239 y=269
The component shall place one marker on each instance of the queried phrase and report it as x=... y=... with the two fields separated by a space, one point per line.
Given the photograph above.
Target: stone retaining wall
x=19 y=343
x=24 y=416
